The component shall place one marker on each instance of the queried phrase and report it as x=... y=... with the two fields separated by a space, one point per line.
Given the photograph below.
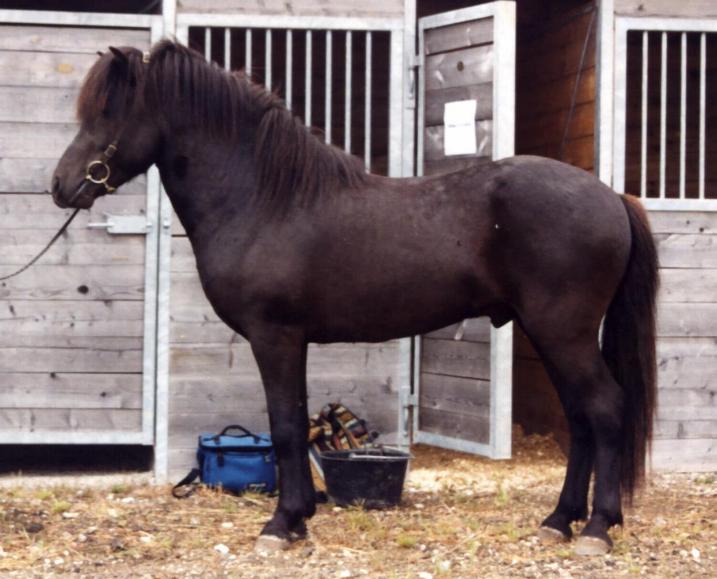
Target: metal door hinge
x=407 y=398
x=414 y=65
x=415 y=61
x=123 y=224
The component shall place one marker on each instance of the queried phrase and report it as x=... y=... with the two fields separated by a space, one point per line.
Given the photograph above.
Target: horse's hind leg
x=592 y=401
x=573 y=503
x=281 y=357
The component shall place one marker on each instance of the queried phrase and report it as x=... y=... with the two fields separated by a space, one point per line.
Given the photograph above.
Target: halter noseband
x=101 y=179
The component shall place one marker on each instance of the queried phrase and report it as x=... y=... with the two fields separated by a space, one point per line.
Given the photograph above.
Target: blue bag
x=234 y=462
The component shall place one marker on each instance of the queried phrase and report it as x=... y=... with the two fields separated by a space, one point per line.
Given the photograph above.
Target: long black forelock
x=110 y=87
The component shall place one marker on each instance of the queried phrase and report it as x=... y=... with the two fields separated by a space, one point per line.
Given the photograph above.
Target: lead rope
x=39 y=255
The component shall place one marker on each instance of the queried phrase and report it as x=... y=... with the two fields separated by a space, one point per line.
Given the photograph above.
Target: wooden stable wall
x=686 y=425
x=668 y=8
x=71 y=327
x=365 y=8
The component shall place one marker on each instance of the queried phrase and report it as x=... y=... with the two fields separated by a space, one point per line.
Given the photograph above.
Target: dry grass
x=461 y=516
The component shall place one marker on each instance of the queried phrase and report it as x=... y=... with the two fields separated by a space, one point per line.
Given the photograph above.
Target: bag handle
x=246 y=432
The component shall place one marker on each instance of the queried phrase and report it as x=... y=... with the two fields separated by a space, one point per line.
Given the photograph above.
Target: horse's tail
x=629 y=345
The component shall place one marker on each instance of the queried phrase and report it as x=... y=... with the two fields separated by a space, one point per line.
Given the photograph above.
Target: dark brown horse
x=295 y=243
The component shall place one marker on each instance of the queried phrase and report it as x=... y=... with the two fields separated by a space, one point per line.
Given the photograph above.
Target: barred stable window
x=671 y=114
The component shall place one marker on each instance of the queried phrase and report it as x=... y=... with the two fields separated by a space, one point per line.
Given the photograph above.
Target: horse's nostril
x=55 y=185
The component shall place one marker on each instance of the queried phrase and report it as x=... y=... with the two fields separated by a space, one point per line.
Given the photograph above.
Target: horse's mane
x=182 y=90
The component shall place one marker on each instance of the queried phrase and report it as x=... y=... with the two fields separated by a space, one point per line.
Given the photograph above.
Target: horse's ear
x=120 y=56
x=100 y=53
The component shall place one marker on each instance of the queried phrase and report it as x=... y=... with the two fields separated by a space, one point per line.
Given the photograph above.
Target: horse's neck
x=208 y=183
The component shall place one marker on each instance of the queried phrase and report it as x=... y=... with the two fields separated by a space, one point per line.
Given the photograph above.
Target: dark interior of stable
x=555 y=117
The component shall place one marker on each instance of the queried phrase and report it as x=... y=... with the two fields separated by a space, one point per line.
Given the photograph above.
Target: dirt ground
x=461 y=516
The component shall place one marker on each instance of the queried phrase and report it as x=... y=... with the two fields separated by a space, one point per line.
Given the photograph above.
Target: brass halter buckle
x=102 y=179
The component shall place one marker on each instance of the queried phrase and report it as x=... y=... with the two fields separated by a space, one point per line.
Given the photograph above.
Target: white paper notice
x=459 y=137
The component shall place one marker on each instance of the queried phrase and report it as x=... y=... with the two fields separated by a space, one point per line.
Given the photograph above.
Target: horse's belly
x=374 y=313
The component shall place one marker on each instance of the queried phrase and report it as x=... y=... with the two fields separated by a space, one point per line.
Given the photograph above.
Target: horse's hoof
x=586 y=545
x=551 y=536
x=268 y=544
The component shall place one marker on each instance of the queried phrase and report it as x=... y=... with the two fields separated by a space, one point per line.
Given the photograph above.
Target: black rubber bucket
x=372 y=477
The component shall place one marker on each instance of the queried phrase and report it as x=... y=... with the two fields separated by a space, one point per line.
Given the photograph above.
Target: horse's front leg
x=281 y=356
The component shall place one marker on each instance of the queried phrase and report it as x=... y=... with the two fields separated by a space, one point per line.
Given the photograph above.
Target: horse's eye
x=106 y=113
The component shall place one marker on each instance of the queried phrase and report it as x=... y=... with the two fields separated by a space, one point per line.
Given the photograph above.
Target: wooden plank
x=35 y=140
x=74 y=282
x=74 y=342
x=685 y=429
x=462 y=426
x=327 y=361
x=69 y=420
x=437 y=99
x=687 y=320
x=451 y=358
x=687 y=251
x=28 y=211
x=52 y=318
x=451 y=164
x=687 y=404
x=456 y=395
x=554 y=31
x=188 y=295
x=556 y=95
x=556 y=53
x=217 y=393
x=35 y=176
x=688 y=285
x=54 y=69
x=19 y=246
x=186 y=426
x=689 y=363
x=692 y=9
x=83 y=40
x=71 y=341
x=692 y=455
x=461 y=35
x=38 y=104
x=549 y=128
x=579 y=152
x=689 y=222
x=368 y=8
x=434 y=137
x=183 y=260
x=71 y=391
x=475 y=330
x=470 y=66
x=201 y=333
x=121 y=355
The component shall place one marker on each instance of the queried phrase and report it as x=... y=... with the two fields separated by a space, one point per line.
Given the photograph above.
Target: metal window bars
x=664 y=72
x=338 y=67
